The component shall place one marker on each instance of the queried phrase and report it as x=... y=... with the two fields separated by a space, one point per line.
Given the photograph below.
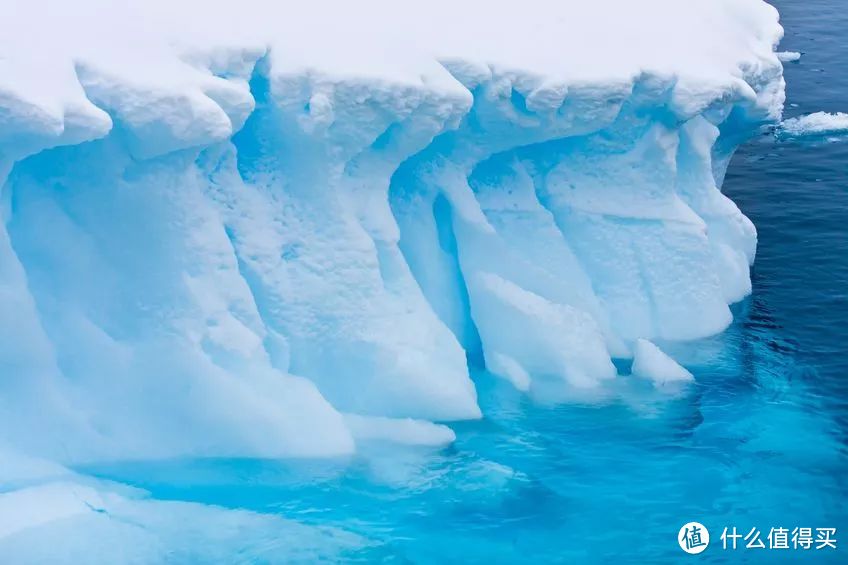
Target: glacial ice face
x=276 y=231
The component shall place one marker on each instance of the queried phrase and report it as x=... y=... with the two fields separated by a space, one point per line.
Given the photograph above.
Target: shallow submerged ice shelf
x=278 y=230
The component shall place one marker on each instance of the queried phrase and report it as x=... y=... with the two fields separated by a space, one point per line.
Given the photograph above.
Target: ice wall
x=235 y=229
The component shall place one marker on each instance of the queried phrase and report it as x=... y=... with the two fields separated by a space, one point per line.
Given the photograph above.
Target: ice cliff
x=240 y=228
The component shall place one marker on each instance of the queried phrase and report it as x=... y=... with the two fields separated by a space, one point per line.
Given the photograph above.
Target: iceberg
x=274 y=229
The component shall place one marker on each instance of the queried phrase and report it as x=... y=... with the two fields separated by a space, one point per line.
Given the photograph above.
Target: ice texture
x=649 y=362
x=788 y=56
x=404 y=431
x=269 y=229
x=56 y=522
x=818 y=123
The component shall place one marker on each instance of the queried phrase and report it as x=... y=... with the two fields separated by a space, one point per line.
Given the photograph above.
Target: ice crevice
x=283 y=250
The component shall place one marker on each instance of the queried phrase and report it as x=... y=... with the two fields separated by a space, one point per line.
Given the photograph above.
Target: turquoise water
x=760 y=441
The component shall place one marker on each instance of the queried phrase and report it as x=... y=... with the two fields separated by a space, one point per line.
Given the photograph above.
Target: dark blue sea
x=761 y=442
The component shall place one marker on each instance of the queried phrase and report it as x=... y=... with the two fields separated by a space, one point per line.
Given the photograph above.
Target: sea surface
x=760 y=442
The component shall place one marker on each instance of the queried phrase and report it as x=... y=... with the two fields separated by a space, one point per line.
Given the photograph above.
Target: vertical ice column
x=154 y=329
x=466 y=238
x=615 y=197
x=304 y=198
x=732 y=236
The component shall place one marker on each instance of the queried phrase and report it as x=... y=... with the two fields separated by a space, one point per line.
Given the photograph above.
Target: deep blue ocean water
x=760 y=441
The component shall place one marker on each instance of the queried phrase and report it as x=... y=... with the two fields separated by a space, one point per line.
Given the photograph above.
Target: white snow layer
x=224 y=224
x=819 y=123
